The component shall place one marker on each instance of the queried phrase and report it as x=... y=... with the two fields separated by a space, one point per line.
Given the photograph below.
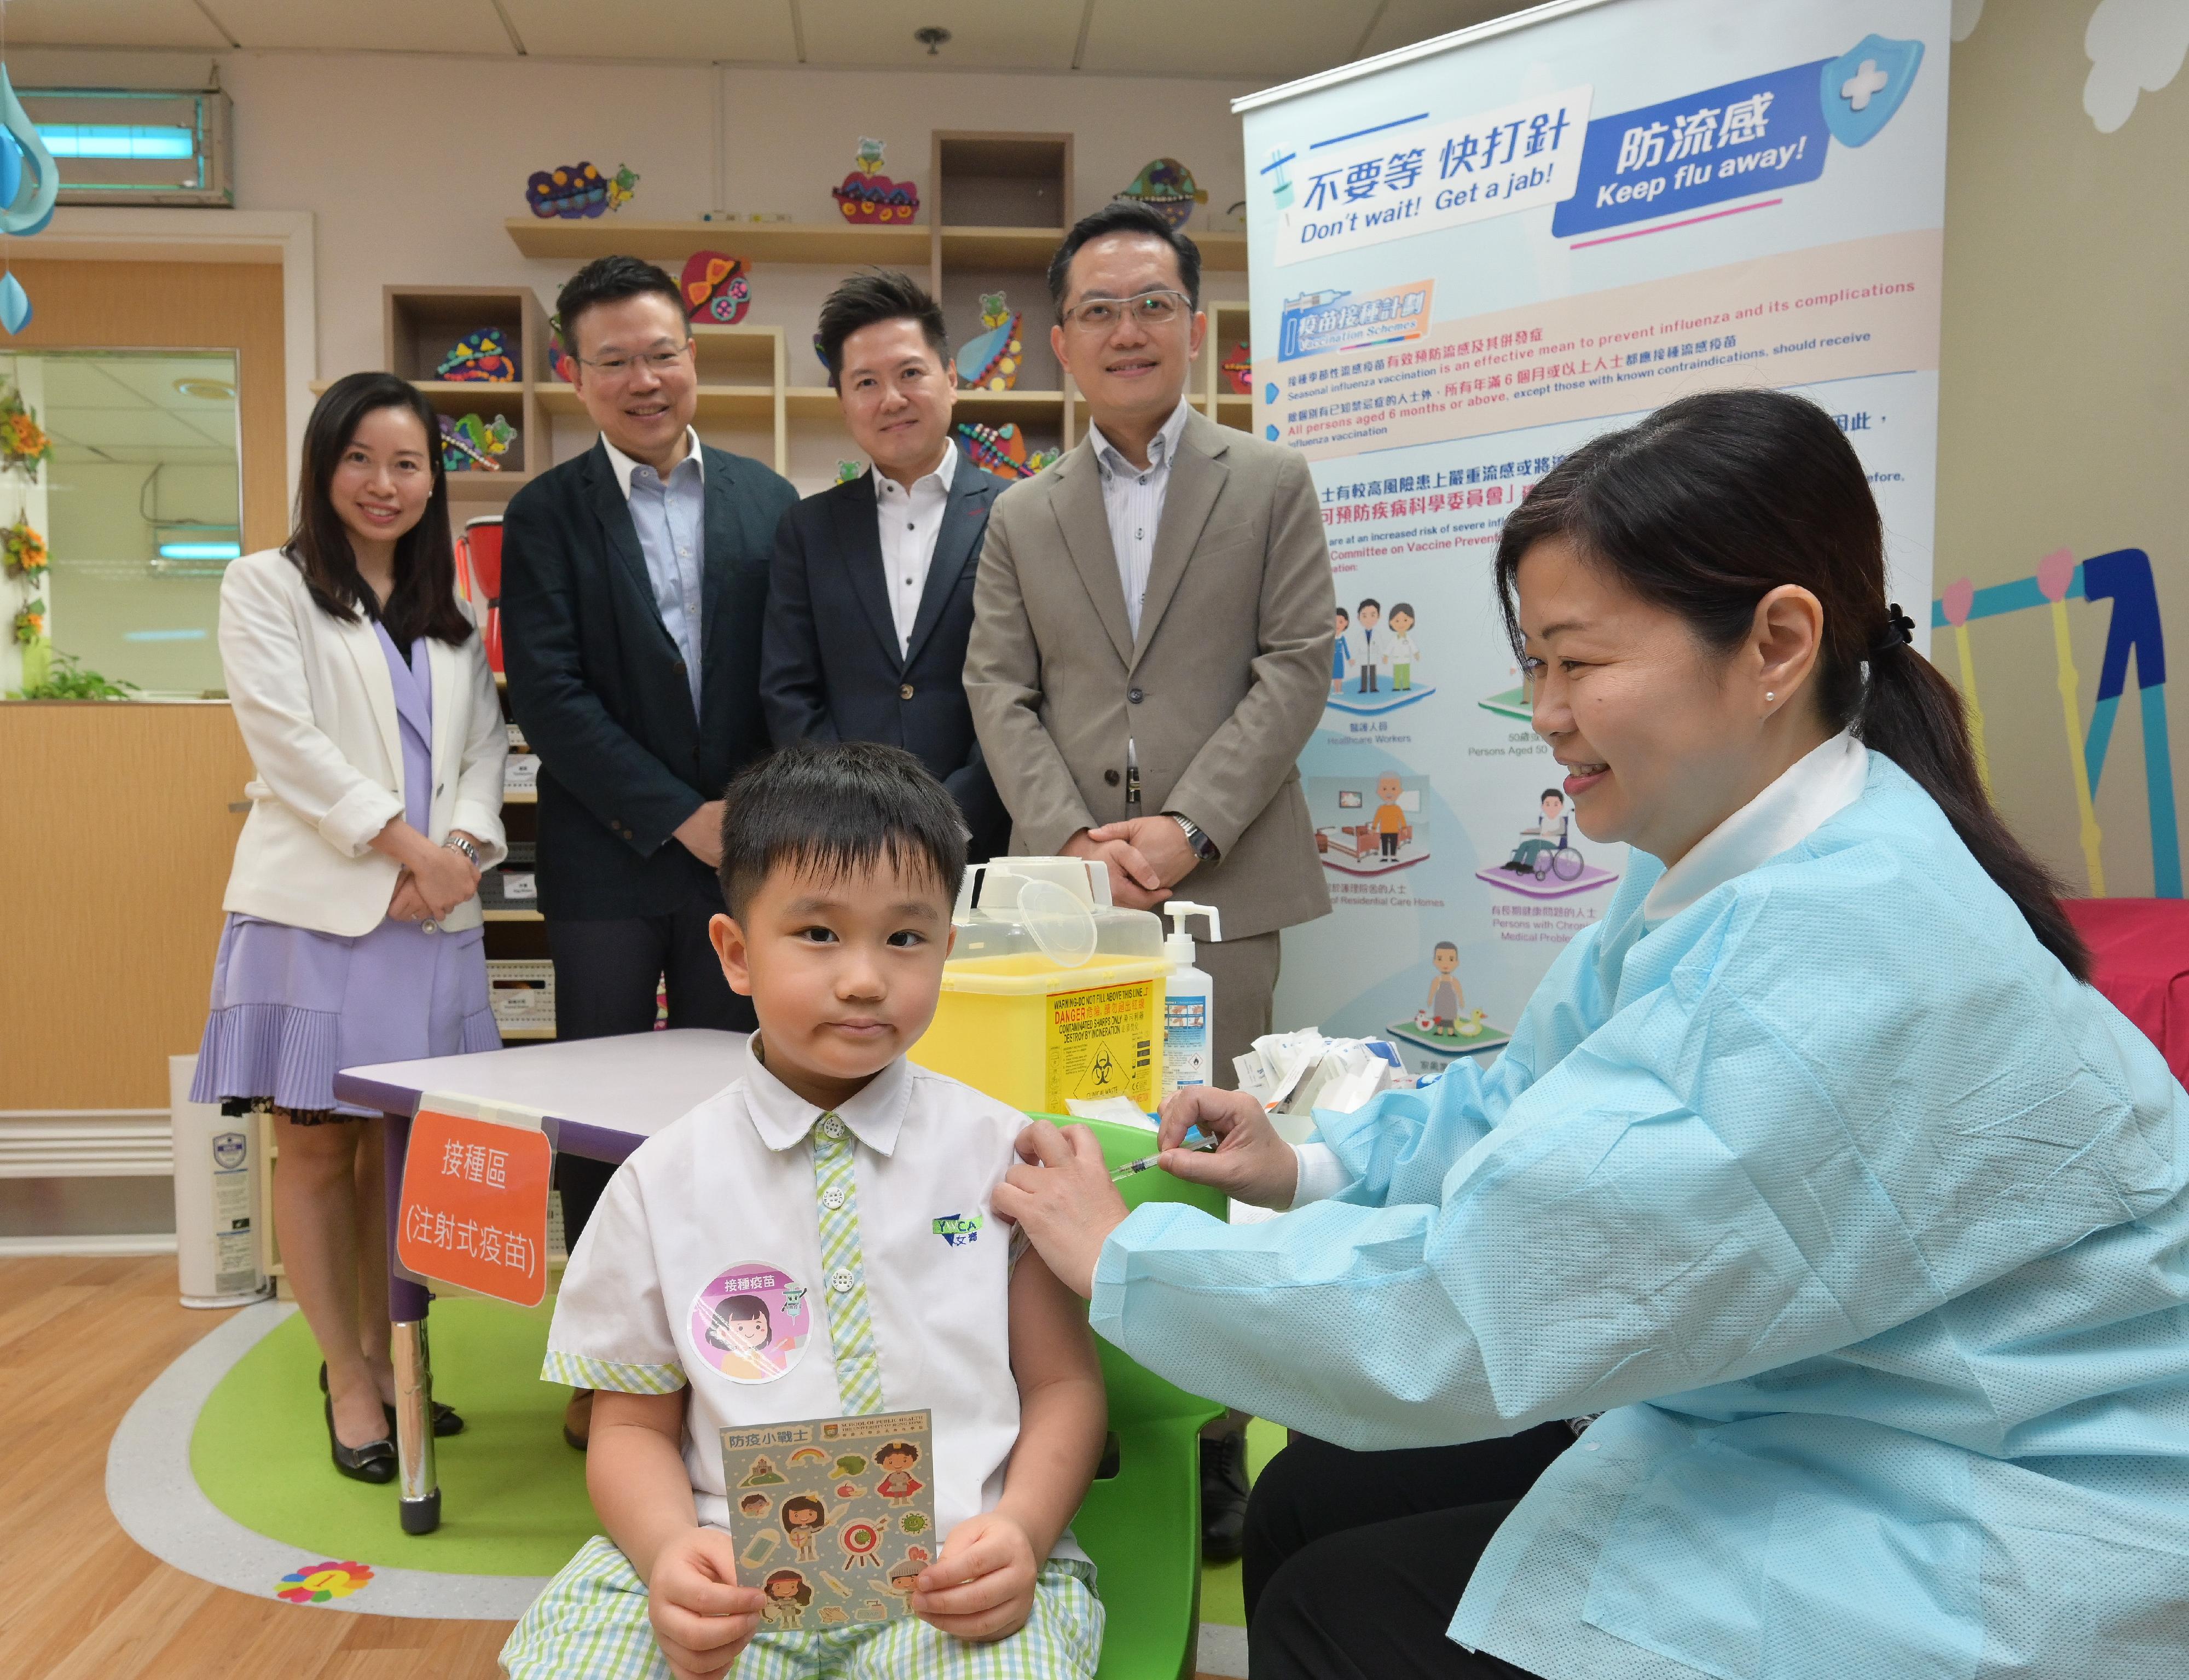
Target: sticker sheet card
x=833 y=1517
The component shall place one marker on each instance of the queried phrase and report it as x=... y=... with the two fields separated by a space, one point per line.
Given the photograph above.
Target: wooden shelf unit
x=997 y=206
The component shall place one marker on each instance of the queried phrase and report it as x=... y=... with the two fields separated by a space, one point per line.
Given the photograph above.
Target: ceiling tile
x=984 y=35
x=1405 y=22
x=386 y=25
x=1275 y=41
x=110 y=23
x=751 y=31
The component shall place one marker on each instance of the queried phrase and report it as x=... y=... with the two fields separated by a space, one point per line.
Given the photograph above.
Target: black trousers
x=606 y=975
x=1355 y=1561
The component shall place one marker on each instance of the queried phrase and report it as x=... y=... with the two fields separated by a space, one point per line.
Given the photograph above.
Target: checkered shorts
x=592 y=1622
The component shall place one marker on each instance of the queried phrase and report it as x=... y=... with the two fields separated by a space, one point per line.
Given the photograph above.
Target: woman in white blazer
x=354 y=934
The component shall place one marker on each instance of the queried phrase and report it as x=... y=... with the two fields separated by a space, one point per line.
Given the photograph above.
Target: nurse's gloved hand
x=702 y=1617
x=1250 y=1163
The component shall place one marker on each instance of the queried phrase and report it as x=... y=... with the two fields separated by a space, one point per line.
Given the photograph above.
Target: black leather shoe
x=374 y=1462
x=446 y=1420
x=1224 y=1497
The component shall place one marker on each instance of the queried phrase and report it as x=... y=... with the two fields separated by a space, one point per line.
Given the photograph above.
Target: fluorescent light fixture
x=116 y=140
x=200 y=551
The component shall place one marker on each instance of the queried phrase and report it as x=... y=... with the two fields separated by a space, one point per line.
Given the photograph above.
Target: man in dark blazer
x=634 y=585
x=871 y=598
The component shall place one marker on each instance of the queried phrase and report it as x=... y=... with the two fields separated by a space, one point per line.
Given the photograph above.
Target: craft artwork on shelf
x=1002 y=449
x=578 y=189
x=470 y=445
x=1166 y=186
x=867 y=195
x=560 y=362
x=481 y=357
x=22 y=550
x=989 y=361
x=1239 y=371
x=717 y=290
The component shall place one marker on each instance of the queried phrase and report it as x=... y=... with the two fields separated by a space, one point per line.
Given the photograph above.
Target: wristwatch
x=458 y=843
x=1203 y=847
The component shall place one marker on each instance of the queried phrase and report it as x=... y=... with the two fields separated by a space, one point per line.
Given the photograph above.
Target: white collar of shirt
x=1813 y=791
x=783 y=1118
x=1162 y=448
x=625 y=466
x=885 y=485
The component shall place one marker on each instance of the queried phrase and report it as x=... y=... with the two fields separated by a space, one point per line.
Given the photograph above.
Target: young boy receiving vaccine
x=796 y=1247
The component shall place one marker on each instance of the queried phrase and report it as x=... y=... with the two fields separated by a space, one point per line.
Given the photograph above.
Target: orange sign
x=474 y=1209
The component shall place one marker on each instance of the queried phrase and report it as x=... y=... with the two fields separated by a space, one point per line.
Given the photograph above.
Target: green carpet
x=513 y=1493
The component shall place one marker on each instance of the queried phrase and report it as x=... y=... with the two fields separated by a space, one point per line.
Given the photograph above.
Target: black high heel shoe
x=446 y=1420
x=374 y=1462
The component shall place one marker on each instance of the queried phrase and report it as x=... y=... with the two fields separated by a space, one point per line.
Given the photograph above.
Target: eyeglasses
x=622 y=367
x=1150 y=309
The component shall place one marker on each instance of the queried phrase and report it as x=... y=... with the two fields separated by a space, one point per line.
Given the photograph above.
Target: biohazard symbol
x=1101 y=1077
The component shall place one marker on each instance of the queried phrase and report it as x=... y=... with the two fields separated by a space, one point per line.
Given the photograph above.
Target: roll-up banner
x=1467 y=258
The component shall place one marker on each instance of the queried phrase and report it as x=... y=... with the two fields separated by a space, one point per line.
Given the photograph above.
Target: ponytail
x=1715 y=500
x=1913 y=716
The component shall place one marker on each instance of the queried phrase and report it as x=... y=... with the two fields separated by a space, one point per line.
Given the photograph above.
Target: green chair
x=1141 y=1520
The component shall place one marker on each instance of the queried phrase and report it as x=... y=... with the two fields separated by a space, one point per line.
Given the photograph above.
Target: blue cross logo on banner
x=1863 y=89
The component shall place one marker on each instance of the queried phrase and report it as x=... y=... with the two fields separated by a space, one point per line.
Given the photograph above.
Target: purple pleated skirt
x=291 y=1006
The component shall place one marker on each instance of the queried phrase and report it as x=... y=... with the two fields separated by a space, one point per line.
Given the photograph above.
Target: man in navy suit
x=634 y=582
x=870 y=599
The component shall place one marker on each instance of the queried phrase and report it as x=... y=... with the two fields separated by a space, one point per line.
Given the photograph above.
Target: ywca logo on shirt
x=957 y=1229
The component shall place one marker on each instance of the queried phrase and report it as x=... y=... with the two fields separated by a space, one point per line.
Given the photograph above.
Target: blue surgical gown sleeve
x=1803 y=1112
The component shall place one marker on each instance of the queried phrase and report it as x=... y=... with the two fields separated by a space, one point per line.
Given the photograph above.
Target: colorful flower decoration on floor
x=316 y=1583
x=22 y=550
x=1166 y=187
x=23 y=442
x=474 y=445
x=571 y=191
x=989 y=361
x=1239 y=369
x=717 y=290
x=865 y=196
x=481 y=357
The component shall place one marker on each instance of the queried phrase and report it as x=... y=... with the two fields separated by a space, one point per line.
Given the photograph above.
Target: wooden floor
x=79 y=1599
x=79 y=1340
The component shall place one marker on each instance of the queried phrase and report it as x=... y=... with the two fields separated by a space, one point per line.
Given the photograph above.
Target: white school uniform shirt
x=725 y=1196
x=909 y=522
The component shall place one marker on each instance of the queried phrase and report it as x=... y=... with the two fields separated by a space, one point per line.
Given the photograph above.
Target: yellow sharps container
x=1051 y=992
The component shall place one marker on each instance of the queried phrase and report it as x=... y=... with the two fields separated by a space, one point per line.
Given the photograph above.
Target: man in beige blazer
x=1151 y=650
x=1151 y=627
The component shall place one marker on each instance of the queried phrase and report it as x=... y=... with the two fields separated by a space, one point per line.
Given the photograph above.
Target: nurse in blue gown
x=1816 y=1169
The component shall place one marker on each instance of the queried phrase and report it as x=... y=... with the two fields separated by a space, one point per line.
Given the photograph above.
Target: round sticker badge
x=751 y=1322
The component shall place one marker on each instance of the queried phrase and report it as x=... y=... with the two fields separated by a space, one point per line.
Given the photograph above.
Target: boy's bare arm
x=643 y=1493
x=635 y=1472
x=982 y=1586
x=1063 y=1411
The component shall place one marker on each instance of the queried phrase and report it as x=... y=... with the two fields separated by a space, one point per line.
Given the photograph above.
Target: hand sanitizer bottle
x=1188 y=1000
